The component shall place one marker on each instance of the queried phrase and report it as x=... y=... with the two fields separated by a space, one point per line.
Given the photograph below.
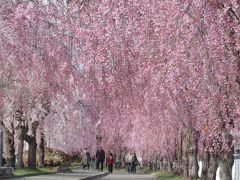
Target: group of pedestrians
x=87 y=160
x=132 y=162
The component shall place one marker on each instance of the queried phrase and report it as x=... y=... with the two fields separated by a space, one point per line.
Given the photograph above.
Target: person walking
x=135 y=163
x=110 y=161
x=88 y=159
x=85 y=159
x=100 y=156
x=93 y=161
x=129 y=161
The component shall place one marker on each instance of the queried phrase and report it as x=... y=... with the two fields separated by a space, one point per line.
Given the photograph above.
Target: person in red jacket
x=110 y=161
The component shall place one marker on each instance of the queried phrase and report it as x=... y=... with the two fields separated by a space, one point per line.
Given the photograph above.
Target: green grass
x=26 y=171
x=167 y=176
x=145 y=170
x=122 y=168
x=75 y=165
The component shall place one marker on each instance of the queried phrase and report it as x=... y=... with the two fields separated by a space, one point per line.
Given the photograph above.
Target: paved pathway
x=79 y=174
x=75 y=175
x=123 y=175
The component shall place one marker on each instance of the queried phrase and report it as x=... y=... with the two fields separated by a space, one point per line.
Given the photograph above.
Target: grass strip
x=167 y=176
x=26 y=171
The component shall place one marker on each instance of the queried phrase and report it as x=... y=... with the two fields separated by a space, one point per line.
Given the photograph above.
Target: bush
x=55 y=158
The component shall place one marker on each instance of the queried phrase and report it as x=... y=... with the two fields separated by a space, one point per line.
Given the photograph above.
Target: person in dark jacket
x=134 y=163
x=110 y=161
x=89 y=159
x=100 y=156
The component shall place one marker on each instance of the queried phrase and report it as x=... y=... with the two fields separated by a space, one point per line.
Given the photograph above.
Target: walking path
x=76 y=174
x=123 y=175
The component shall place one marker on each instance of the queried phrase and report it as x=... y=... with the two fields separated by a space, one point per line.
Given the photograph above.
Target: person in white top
x=129 y=160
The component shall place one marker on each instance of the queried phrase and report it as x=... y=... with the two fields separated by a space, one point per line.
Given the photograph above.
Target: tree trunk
x=193 y=162
x=225 y=162
x=20 y=153
x=122 y=160
x=212 y=167
x=22 y=130
x=155 y=163
x=165 y=164
x=170 y=166
x=185 y=158
x=32 y=151
x=178 y=163
x=41 y=151
x=118 y=161
x=150 y=165
x=10 y=149
x=209 y=166
x=178 y=166
x=32 y=142
x=161 y=164
x=205 y=164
